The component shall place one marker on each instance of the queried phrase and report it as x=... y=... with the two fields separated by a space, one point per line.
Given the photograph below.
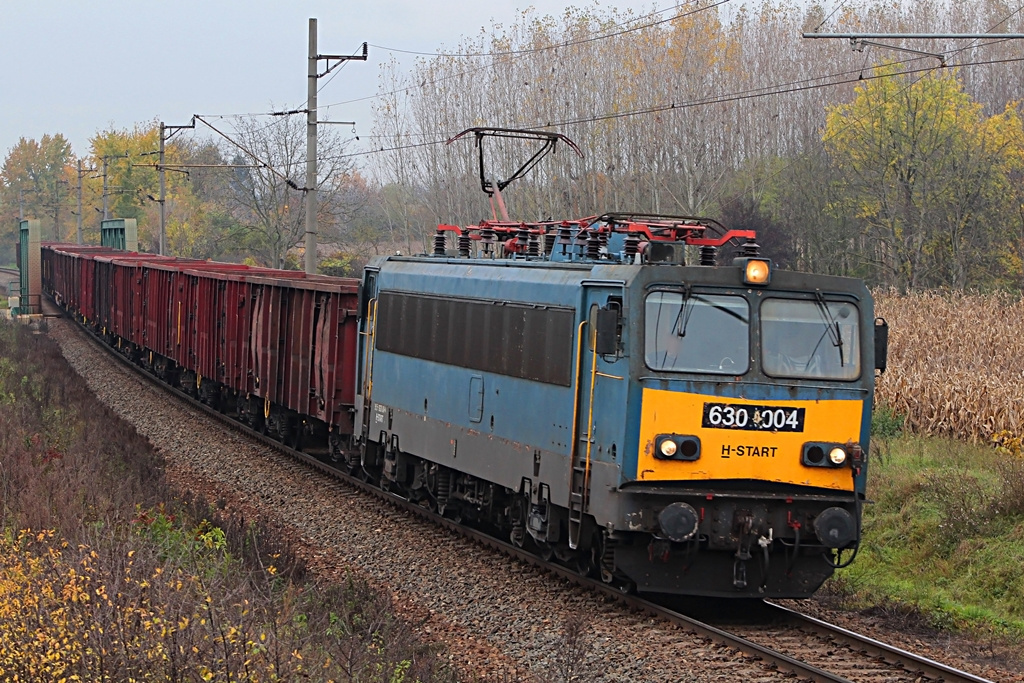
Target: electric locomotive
x=600 y=390
x=672 y=428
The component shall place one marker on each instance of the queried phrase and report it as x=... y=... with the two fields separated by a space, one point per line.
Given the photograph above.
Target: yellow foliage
x=61 y=619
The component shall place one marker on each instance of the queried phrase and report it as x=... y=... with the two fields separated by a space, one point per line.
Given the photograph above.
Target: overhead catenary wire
x=299 y=110
x=772 y=90
x=515 y=54
x=767 y=91
x=252 y=155
x=571 y=43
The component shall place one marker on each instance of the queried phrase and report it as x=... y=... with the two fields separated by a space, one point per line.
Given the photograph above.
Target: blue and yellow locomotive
x=681 y=429
x=576 y=386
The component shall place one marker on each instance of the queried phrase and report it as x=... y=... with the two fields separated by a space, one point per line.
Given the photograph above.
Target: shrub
x=886 y=422
x=106 y=574
x=1010 y=468
x=962 y=500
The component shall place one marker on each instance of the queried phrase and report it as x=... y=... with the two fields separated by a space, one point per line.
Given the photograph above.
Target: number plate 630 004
x=752 y=418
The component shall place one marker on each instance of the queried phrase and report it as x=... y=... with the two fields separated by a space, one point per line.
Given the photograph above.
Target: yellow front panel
x=745 y=454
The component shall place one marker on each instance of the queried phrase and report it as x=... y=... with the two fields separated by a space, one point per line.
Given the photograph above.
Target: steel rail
x=887 y=653
x=772 y=658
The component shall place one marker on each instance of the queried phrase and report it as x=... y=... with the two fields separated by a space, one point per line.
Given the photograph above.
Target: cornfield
x=956 y=362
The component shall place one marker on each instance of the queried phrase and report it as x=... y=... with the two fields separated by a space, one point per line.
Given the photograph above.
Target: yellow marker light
x=756 y=272
x=837 y=455
x=668 y=448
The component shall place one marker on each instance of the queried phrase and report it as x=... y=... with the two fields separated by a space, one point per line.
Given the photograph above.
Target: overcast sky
x=76 y=67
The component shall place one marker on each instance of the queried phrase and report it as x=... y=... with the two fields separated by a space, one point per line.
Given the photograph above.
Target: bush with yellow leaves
x=107 y=575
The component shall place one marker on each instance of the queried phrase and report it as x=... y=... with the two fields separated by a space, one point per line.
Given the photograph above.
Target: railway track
x=788 y=643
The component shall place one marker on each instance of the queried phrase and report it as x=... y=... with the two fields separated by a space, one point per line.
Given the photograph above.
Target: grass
x=944 y=536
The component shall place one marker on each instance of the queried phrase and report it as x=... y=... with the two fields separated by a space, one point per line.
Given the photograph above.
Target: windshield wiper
x=683 y=317
x=831 y=328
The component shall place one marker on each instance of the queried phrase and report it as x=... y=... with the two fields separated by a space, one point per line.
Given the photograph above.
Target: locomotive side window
x=693 y=332
x=810 y=339
x=534 y=343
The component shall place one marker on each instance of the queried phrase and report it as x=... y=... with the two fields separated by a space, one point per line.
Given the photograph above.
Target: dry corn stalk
x=956 y=362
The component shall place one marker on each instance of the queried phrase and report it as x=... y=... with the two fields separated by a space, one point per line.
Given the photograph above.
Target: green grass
x=944 y=536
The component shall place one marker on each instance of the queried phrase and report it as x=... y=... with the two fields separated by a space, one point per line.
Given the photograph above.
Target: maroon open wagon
x=277 y=346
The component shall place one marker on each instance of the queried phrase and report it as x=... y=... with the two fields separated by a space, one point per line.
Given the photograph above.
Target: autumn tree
x=128 y=158
x=923 y=170
x=37 y=181
x=198 y=216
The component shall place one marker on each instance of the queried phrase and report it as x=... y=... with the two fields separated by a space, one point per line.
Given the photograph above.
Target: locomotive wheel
x=588 y=560
x=545 y=551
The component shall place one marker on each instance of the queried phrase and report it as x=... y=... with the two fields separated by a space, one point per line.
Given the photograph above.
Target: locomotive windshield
x=693 y=332
x=810 y=339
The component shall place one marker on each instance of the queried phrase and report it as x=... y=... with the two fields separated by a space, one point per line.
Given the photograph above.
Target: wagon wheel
x=295 y=439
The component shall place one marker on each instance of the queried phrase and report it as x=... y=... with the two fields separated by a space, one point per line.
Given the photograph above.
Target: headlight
x=676 y=447
x=837 y=455
x=824 y=454
x=756 y=272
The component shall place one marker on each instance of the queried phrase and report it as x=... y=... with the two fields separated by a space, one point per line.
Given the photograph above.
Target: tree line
x=875 y=162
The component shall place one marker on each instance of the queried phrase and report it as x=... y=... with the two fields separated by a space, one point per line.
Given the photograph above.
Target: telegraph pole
x=81 y=173
x=311 y=223
x=310 y=189
x=166 y=133
x=106 y=213
x=106 y=158
x=163 y=194
x=78 y=216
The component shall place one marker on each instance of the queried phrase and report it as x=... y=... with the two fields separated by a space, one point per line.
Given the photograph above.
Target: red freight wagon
x=277 y=346
x=70 y=270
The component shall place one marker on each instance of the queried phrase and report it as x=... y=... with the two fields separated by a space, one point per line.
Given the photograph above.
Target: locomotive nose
x=835 y=527
x=678 y=522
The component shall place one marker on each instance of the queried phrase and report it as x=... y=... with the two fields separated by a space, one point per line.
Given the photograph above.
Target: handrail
x=371 y=333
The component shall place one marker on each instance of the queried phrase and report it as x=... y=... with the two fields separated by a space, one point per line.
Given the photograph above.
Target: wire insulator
x=533 y=249
x=523 y=236
x=708 y=255
x=549 y=242
x=565 y=238
x=750 y=248
x=632 y=243
x=439 y=243
x=593 y=244
x=464 y=246
x=487 y=237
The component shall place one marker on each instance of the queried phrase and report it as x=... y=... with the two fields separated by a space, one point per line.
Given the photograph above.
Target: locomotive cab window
x=810 y=339
x=697 y=332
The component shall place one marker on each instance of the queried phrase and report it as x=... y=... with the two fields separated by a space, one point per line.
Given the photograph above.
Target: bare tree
x=267 y=196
